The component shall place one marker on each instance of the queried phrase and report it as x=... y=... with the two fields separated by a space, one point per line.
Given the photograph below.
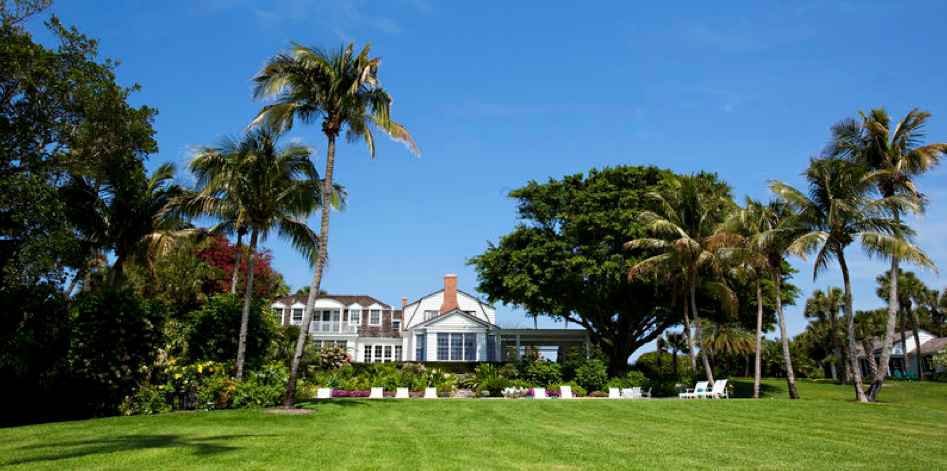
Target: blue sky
x=498 y=93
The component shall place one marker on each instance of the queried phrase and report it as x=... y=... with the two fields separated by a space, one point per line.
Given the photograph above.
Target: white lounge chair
x=565 y=392
x=539 y=393
x=430 y=393
x=614 y=393
x=626 y=393
x=718 y=391
x=699 y=388
x=324 y=393
x=377 y=393
x=402 y=393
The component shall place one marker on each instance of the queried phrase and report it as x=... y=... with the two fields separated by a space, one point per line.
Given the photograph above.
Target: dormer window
x=297 y=315
x=428 y=315
x=396 y=324
x=374 y=317
x=355 y=316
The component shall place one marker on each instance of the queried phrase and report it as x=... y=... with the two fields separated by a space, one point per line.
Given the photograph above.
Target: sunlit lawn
x=824 y=430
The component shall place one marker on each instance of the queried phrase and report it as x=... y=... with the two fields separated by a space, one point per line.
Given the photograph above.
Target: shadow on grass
x=744 y=389
x=61 y=450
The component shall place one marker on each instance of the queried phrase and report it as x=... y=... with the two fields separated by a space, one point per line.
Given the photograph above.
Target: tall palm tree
x=684 y=230
x=271 y=188
x=894 y=158
x=911 y=292
x=837 y=211
x=678 y=343
x=341 y=90
x=825 y=306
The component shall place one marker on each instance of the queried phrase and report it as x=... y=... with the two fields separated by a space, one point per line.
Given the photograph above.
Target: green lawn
x=825 y=430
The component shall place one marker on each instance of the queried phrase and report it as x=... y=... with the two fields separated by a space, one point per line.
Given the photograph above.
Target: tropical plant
x=825 y=307
x=271 y=188
x=911 y=292
x=684 y=233
x=838 y=210
x=677 y=343
x=893 y=158
x=342 y=90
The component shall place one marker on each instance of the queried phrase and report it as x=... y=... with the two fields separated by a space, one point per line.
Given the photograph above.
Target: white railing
x=332 y=327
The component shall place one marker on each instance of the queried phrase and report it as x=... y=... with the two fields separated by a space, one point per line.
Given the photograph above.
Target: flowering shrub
x=333 y=357
x=514 y=392
x=549 y=393
x=343 y=393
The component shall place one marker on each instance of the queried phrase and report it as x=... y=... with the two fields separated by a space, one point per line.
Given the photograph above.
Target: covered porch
x=513 y=343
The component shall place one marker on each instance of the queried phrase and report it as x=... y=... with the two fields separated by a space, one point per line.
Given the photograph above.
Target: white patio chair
x=718 y=391
x=614 y=393
x=430 y=393
x=699 y=388
x=565 y=392
x=646 y=394
x=539 y=393
x=402 y=393
x=377 y=393
x=324 y=393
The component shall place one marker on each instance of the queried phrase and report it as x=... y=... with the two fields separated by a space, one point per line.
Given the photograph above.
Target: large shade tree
x=682 y=231
x=272 y=188
x=838 y=210
x=339 y=90
x=894 y=157
x=565 y=258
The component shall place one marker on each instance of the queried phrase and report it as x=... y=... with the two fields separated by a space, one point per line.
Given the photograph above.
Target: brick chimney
x=450 y=293
x=404 y=303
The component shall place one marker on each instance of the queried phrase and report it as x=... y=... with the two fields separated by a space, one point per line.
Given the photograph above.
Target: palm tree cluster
x=857 y=192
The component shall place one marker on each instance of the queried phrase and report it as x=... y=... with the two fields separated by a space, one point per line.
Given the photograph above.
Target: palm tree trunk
x=758 y=359
x=316 y=282
x=236 y=263
x=917 y=345
x=697 y=334
x=872 y=364
x=850 y=320
x=245 y=315
x=674 y=360
x=692 y=352
x=893 y=308
x=784 y=339
x=838 y=357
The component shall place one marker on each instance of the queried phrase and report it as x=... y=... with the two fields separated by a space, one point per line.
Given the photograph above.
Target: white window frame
x=386 y=358
x=371 y=313
x=367 y=358
x=302 y=313
x=396 y=324
x=378 y=353
x=430 y=314
x=357 y=313
x=461 y=356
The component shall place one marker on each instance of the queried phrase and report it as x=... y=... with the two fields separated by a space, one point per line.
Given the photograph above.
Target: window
x=368 y=354
x=443 y=347
x=297 y=315
x=355 y=317
x=470 y=347
x=396 y=324
x=398 y=352
x=420 y=345
x=374 y=317
x=428 y=315
x=377 y=353
x=456 y=346
x=278 y=312
x=343 y=344
x=491 y=348
x=387 y=353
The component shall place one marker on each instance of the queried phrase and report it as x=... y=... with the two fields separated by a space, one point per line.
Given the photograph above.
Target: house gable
x=455 y=319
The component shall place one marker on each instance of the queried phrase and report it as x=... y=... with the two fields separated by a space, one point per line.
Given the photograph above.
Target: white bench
x=699 y=390
x=430 y=393
x=614 y=393
x=402 y=393
x=377 y=393
x=324 y=393
x=539 y=393
x=565 y=392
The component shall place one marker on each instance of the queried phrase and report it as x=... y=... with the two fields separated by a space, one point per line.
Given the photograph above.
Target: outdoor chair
x=324 y=393
x=402 y=393
x=614 y=393
x=718 y=391
x=565 y=392
x=699 y=388
x=377 y=393
x=430 y=393
x=539 y=393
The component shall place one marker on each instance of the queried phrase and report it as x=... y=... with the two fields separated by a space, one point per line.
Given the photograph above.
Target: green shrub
x=147 y=400
x=543 y=373
x=262 y=388
x=633 y=378
x=592 y=375
x=577 y=390
x=647 y=363
x=213 y=331
x=216 y=392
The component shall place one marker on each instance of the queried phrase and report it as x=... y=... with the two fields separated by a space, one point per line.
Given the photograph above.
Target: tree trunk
x=236 y=263
x=893 y=308
x=316 y=282
x=758 y=359
x=917 y=345
x=838 y=358
x=832 y=371
x=245 y=316
x=697 y=334
x=784 y=339
x=674 y=361
x=872 y=364
x=850 y=320
x=692 y=352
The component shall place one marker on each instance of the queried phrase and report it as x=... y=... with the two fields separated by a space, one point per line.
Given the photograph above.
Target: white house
x=903 y=362
x=448 y=325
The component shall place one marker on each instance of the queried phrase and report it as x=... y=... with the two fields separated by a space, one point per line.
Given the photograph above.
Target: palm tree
x=911 y=292
x=727 y=339
x=870 y=325
x=837 y=211
x=825 y=306
x=270 y=188
x=132 y=215
x=342 y=90
x=678 y=343
x=684 y=227
x=894 y=158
